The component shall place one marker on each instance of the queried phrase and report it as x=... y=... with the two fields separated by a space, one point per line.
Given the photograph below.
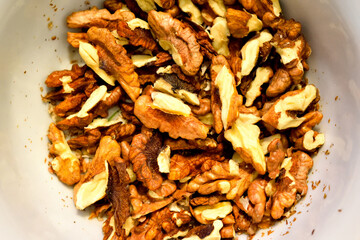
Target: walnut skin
x=179 y=40
x=312 y=119
x=74 y=38
x=114 y=60
x=145 y=148
x=176 y=125
x=75 y=122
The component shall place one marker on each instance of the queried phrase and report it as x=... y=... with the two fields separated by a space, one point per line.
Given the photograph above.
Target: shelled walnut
x=191 y=119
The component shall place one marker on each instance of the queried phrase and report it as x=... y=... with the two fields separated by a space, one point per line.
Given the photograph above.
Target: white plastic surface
x=35 y=205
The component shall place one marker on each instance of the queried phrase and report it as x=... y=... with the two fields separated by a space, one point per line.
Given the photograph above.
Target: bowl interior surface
x=35 y=205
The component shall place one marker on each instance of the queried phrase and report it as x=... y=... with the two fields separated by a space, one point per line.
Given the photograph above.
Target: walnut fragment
x=186 y=127
x=179 y=40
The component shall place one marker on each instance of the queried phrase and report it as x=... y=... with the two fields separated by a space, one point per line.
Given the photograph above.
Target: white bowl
x=35 y=205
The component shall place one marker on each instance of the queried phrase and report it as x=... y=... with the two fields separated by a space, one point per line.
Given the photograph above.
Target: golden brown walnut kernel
x=184 y=166
x=74 y=39
x=145 y=148
x=208 y=200
x=244 y=136
x=206 y=214
x=279 y=83
x=179 y=40
x=69 y=104
x=225 y=178
x=223 y=85
x=113 y=5
x=278 y=115
x=207 y=144
x=54 y=79
x=250 y=51
x=165 y=4
x=220 y=34
x=160 y=225
x=66 y=165
x=90 y=138
x=293 y=181
x=108 y=102
x=263 y=75
x=256 y=194
x=310 y=141
x=92 y=186
x=113 y=59
x=120 y=130
x=143 y=205
x=260 y=7
x=204 y=107
x=75 y=122
x=241 y=23
x=96 y=17
x=311 y=120
x=190 y=8
x=277 y=156
x=176 y=125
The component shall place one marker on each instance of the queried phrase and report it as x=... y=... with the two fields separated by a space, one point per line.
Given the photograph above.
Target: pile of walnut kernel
x=190 y=119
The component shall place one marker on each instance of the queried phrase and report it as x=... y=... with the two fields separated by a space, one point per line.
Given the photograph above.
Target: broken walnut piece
x=114 y=60
x=75 y=122
x=223 y=87
x=244 y=136
x=208 y=200
x=298 y=100
x=118 y=194
x=260 y=7
x=293 y=181
x=92 y=186
x=65 y=165
x=108 y=102
x=311 y=141
x=176 y=125
x=241 y=23
x=178 y=39
x=161 y=224
x=278 y=83
x=222 y=177
x=207 y=144
x=142 y=204
x=54 y=78
x=203 y=109
x=256 y=194
x=74 y=39
x=90 y=138
x=120 y=130
x=70 y=103
x=113 y=5
x=311 y=120
x=277 y=156
x=184 y=166
x=96 y=17
x=145 y=148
